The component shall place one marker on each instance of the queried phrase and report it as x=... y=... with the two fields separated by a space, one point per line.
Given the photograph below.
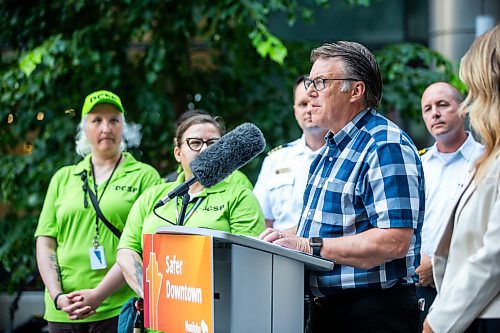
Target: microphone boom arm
x=178 y=191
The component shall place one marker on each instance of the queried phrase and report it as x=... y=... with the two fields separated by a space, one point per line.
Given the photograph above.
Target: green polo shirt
x=227 y=206
x=65 y=218
x=237 y=177
x=240 y=178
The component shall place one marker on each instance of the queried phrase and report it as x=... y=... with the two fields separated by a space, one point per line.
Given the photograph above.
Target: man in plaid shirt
x=364 y=202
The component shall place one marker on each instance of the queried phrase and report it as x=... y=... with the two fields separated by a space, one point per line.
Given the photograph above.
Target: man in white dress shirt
x=283 y=175
x=447 y=165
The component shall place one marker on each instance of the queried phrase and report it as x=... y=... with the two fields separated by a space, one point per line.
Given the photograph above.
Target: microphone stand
x=182 y=213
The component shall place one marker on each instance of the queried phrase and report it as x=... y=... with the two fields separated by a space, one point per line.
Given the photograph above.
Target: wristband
x=55 y=301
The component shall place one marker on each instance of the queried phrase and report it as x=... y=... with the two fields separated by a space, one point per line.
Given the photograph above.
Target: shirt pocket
x=281 y=180
x=280 y=189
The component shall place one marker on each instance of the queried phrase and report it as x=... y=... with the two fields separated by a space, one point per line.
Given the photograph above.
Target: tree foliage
x=161 y=58
x=407 y=70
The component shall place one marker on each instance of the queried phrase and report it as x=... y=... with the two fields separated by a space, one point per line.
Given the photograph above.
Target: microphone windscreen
x=230 y=153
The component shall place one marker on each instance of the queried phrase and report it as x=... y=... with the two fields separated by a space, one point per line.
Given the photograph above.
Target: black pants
x=426 y=295
x=366 y=310
x=103 y=326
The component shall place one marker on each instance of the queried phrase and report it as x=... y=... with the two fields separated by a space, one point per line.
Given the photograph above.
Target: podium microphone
x=214 y=164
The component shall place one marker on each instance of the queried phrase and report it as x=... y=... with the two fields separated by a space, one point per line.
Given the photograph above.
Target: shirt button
x=330 y=159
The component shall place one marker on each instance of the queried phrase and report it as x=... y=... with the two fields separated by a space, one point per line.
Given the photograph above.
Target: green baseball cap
x=100 y=97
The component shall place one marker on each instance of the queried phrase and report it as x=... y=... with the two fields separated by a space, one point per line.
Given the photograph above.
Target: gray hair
x=359 y=64
x=131 y=137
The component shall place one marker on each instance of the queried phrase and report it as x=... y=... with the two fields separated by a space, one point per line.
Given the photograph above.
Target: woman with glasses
x=227 y=206
x=76 y=249
x=236 y=177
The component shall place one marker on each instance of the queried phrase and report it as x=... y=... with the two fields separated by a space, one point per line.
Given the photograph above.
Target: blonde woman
x=467 y=259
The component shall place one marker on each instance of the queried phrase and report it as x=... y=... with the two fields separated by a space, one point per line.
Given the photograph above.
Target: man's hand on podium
x=286 y=239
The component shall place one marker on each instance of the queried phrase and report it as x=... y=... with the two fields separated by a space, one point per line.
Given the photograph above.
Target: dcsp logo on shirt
x=213 y=208
x=126 y=188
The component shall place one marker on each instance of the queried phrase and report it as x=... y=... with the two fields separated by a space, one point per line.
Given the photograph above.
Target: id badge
x=97 y=258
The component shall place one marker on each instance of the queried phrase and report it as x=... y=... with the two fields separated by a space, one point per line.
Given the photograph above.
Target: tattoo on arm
x=55 y=265
x=138 y=276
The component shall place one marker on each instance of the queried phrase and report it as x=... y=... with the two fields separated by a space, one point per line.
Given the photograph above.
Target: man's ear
x=462 y=114
x=357 y=91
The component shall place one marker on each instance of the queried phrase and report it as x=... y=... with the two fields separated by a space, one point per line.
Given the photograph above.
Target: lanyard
x=107 y=182
x=96 y=238
x=190 y=212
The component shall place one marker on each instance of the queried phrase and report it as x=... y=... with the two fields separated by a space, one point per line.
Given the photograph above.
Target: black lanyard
x=107 y=182
x=96 y=238
x=196 y=203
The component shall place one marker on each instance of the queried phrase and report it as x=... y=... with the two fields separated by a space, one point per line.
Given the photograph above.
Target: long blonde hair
x=480 y=70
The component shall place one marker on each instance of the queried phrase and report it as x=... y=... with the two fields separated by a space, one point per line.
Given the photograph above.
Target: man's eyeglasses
x=319 y=83
x=195 y=144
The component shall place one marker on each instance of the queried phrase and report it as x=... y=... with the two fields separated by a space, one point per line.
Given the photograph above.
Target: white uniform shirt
x=445 y=175
x=282 y=181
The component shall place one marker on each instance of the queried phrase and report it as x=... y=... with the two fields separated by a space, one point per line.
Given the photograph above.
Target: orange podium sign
x=178 y=283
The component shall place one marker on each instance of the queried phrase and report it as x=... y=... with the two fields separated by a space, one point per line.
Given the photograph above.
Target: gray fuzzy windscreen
x=230 y=153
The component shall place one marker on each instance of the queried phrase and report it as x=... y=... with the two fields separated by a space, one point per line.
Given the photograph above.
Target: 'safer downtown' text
x=180 y=292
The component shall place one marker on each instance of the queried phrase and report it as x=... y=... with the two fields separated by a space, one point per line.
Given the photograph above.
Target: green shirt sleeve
x=151 y=178
x=246 y=217
x=241 y=179
x=132 y=233
x=47 y=222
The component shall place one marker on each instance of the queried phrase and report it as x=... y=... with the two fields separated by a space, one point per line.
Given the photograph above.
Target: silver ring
x=280 y=235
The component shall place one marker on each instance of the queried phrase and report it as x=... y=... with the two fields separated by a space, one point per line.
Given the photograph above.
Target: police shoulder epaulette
x=277 y=148
x=423 y=151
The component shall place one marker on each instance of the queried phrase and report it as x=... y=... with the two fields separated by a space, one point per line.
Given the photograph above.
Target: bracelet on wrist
x=55 y=301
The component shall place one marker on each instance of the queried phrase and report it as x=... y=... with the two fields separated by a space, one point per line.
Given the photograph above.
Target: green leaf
x=267 y=44
x=28 y=63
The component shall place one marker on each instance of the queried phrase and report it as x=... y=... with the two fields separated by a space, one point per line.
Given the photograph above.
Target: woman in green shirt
x=227 y=206
x=75 y=250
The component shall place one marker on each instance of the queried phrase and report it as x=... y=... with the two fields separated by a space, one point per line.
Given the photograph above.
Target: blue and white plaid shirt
x=368 y=175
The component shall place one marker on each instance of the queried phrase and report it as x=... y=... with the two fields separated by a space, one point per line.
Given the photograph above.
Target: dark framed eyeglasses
x=195 y=144
x=319 y=83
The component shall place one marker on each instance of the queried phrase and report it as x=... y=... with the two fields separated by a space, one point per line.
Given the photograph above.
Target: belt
x=398 y=288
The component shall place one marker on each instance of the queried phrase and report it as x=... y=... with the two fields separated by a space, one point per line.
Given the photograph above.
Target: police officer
x=283 y=176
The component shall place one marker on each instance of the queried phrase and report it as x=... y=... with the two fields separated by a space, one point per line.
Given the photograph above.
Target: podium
x=253 y=286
